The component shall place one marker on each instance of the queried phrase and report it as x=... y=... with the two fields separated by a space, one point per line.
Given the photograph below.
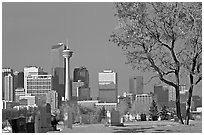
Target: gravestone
x=115 y=118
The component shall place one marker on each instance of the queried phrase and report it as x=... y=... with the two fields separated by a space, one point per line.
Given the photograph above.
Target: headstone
x=115 y=118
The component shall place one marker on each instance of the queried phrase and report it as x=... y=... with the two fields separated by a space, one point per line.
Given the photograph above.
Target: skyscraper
x=8 y=88
x=5 y=72
x=136 y=85
x=58 y=70
x=31 y=70
x=81 y=74
x=108 y=86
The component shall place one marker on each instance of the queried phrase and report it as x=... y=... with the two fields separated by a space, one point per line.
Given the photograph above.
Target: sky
x=30 y=29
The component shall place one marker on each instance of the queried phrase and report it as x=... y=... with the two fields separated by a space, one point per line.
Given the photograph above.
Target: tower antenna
x=67 y=44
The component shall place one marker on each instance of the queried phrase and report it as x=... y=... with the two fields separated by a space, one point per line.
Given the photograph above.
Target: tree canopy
x=163 y=37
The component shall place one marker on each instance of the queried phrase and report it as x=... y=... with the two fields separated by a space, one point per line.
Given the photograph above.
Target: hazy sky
x=30 y=29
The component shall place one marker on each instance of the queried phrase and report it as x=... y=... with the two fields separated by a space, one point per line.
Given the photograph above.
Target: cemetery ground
x=136 y=127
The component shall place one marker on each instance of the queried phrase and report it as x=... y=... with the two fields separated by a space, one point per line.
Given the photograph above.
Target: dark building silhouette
x=82 y=74
x=20 y=82
x=58 y=70
x=136 y=85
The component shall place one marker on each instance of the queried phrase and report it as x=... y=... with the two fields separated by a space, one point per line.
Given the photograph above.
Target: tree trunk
x=178 y=109
x=189 y=100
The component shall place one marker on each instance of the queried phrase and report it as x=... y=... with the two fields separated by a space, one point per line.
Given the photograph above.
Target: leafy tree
x=164 y=113
x=154 y=36
x=123 y=107
x=102 y=114
x=153 y=112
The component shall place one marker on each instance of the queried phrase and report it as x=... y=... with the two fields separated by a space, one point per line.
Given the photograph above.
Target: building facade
x=108 y=86
x=107 y=106
x=28 y=100
x=39 y=86
x=75 y=89
x=19 y=92
x=136 y=85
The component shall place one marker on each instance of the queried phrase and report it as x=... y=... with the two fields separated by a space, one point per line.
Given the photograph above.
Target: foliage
x=140 y=107
x=123 y=107
x=102 y=114
x=153 y=112
x=13 y=113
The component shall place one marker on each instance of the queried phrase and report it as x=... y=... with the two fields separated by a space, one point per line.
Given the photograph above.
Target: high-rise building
x=58 y=70
x=57 y=60
x=31 y=70
x=5 y=72
x=8 y=88
x=52 y=99
x=81 y=74
x=39 y=86
x=136 y=85
x=162 y=95
x=108 y=86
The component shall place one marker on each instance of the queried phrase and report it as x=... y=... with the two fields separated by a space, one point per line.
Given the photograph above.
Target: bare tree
x=152 y=35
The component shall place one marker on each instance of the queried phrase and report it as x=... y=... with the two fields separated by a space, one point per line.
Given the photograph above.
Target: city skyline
x=30 y=29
